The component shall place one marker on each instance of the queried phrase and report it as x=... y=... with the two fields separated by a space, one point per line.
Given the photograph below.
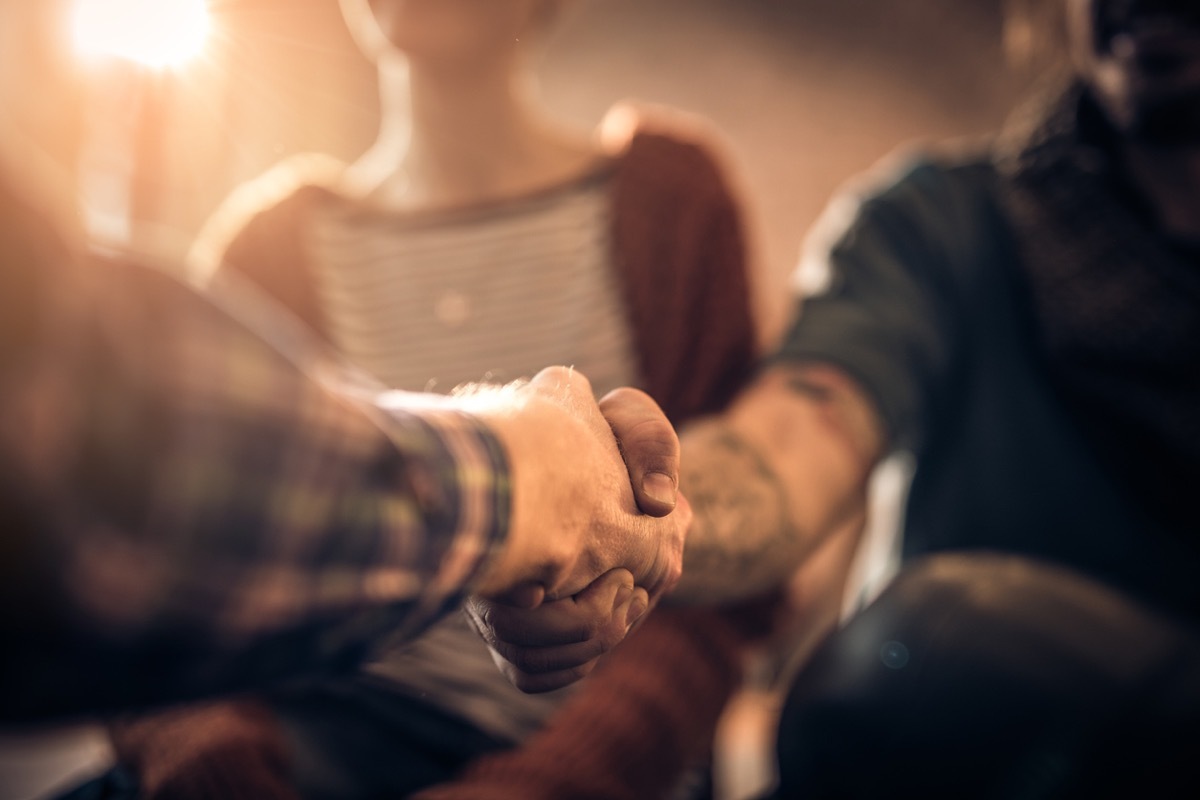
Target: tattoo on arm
x=742 y=541
x=802 y=384
x=848 y=409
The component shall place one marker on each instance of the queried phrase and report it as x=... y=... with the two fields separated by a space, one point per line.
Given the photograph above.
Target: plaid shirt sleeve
x=220 y=505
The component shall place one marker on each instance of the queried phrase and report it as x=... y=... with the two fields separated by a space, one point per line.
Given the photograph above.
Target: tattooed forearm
x=742 y=540
x=802 y=383
x=844 y=404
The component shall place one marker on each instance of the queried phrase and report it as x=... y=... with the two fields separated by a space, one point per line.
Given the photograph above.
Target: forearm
x=771 y=480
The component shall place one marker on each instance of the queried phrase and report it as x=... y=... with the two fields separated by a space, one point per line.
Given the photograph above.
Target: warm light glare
x=156 y=33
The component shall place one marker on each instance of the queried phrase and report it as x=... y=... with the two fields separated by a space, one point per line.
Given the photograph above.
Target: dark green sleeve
x=878 y=294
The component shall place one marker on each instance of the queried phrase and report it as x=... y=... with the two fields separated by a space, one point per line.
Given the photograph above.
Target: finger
x=544 y=682
x=676 y=544
x=545 y=660
x=630 y=605
x=532 y=675
x=670 y=536
x=639 y=604
x=571 y=620
x=649 y=445
x=526 y=594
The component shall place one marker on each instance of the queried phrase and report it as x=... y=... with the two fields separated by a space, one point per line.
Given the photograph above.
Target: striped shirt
x=430 y=301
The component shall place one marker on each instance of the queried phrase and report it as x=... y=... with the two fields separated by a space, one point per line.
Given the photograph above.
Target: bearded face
x=1141 y=59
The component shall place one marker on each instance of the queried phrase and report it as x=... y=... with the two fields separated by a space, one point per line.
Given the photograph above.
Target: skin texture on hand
x=561 y=641
x=597 y=529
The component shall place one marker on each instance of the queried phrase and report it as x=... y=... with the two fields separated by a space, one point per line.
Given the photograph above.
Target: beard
x=1172 y=121
x=1147 y=68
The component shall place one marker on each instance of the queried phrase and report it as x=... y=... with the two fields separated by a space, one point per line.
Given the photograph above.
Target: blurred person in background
x=196 y=501
x=479 y=237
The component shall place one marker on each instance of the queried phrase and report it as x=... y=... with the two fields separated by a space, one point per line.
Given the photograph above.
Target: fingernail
x=636 y=609
x=623 y=595
x=660 y=487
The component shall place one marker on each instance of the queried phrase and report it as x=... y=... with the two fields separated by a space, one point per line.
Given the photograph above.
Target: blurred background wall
x=805 y=93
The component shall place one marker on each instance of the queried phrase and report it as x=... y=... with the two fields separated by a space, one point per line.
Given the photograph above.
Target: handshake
x=597 y=528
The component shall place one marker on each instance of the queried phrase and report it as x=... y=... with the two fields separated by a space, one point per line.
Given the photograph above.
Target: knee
x=965 y=616
x=974 y=659
x=866 y=677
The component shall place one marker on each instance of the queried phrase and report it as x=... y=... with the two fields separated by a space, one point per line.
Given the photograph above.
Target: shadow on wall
x=805 y=93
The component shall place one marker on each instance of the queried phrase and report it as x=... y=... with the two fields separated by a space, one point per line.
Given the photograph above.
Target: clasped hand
x=597 y=529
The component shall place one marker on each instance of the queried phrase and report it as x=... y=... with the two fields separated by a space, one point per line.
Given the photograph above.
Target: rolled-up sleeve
x=876 y=299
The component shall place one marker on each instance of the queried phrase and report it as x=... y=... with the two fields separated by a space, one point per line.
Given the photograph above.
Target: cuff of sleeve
x=458 y=472
x=883 y=379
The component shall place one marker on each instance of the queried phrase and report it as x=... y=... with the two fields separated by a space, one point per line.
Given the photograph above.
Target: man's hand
x=597 y=532
x=575 y=513
x=561 y=641
x=649 y=446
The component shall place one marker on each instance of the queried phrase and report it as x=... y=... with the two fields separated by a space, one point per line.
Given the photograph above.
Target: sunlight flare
x=155 y=33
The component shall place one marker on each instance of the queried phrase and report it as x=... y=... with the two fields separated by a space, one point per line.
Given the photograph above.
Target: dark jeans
x=987 y=676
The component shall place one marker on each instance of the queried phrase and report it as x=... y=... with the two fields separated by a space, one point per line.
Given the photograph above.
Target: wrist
x=537 y=438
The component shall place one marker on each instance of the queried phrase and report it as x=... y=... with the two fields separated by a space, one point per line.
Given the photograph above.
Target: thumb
x=649 y=446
